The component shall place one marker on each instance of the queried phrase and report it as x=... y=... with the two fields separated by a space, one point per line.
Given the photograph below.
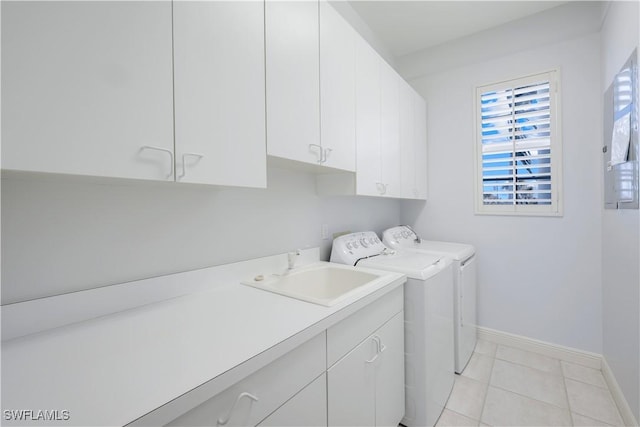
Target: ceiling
x=408 y=26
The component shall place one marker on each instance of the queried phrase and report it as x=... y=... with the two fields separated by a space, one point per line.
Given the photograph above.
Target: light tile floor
x=505 y=386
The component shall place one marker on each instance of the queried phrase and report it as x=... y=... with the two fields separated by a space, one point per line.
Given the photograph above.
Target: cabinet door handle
x=382 y=346
x=320 y=152
x=184 y=162
x=224 y=420
x=382 y=187
x=326 y=151
x=378 y=351
x=164 y=150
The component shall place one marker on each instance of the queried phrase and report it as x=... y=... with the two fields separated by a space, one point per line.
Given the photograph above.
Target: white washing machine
x=428 y=313
x=464 y=282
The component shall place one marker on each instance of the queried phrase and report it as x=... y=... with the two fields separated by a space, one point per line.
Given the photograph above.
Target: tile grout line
x=571 y=411
x=584 y=382
x=486 y=392
x=529 y=397
x=605 y=387
x=528 y=366
x=566 y=394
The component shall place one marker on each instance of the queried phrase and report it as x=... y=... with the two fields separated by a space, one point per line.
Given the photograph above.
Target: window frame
x=556 y=206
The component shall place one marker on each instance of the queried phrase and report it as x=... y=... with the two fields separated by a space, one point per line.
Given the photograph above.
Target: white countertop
x=113 y=369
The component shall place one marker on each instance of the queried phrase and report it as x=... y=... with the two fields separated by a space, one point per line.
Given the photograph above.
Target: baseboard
x=618 y=397
x=568 y=354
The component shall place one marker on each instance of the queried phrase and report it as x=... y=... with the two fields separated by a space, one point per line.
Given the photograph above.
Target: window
x=518 y=147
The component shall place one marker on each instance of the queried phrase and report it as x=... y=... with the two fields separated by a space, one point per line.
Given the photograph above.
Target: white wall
x=61 y=234
x=570 y=20
x=355 y=20
x=537 y=276
x=621 y=231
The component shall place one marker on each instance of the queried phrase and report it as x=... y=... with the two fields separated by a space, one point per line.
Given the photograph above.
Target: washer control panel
x=400 y=236
x=349 y=248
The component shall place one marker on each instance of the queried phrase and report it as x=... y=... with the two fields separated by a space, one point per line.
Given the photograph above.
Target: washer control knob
x=348 y=245
x=364 y=243
x=405 y=234
x=354 y=244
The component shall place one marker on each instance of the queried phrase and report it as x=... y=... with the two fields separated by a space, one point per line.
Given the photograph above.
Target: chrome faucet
x=291 y=258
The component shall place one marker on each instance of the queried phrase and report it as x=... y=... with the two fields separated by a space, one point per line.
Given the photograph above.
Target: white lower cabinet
x=389 y=384
x=352 y=374
x=366 y=387
x=307 y=408
x=351 y=387
x=252 y=399
x=365 y=353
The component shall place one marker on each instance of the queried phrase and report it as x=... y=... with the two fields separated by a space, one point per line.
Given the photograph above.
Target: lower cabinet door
x=351 y=388
x=252 y=399
x=390 y=373
x=307 y=408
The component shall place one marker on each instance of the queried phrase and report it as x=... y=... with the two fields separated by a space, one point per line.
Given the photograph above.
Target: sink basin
x=326 y=285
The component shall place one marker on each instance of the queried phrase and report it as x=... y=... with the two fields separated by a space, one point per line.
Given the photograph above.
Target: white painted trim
x=618 y=396
x=568 y=354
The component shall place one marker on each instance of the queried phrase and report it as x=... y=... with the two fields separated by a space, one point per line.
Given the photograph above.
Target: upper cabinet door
x=367 y=120
x=293 y=79
x=390 y=129
x=337 y=89
x=407 y=142
x=420 y=134
x=86 y=86
x=220 y=92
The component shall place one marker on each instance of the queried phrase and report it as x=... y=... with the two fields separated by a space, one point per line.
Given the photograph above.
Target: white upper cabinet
x=390 y=130
x=407 y=142
x=293 y=80
x=220 y=92
x=413 y=144
x=377 y=124
x=368 y=120
x=337 y=89
x=420 y=138
x=86 y=86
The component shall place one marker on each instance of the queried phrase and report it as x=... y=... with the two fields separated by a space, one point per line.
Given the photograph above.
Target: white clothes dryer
x=428 y=313
x=464 y=283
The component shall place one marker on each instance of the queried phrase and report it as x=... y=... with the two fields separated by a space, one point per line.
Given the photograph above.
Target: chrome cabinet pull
x=380 y=347
x=373 y=359
x=224 y=420
x=164 y=150
x=326 y=152
x=382 y=187
x=320 y=152
x=184 y=162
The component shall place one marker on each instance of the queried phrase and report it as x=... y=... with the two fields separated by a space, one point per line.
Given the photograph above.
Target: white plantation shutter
x=518 y=147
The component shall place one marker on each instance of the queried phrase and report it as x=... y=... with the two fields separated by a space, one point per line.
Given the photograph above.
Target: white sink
x=324 y=285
